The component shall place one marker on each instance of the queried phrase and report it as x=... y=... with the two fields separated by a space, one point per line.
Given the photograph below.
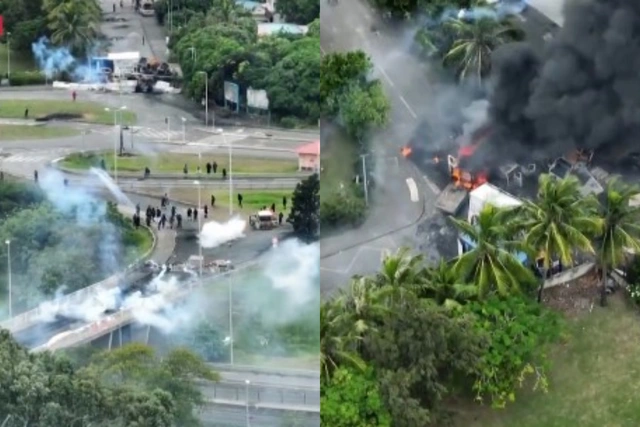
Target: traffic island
x=49 y=109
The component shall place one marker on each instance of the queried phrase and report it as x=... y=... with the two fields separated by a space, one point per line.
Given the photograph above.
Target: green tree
x=620 y=229
x=299 y=11
x=336 y=348
x=305 y=207
x=362 y=108
x=559 y=222
x=492 y=264
x=518 y=332
x=352 y=399
x=338 y=72
x=444 y=288
x=416 y=365
x=73 y=23
x=475 y=41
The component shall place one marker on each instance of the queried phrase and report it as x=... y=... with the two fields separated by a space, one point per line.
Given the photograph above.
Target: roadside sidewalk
x=164 y=240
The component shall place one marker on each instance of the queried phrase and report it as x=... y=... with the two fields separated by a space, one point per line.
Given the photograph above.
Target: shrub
x=342 y=208
x=26 y=78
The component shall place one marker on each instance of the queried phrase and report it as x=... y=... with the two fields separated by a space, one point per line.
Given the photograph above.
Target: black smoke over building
x=583 y=93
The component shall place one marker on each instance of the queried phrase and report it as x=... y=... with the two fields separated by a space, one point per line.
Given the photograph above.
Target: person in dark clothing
x=147 y=172
x=26 y=113
x=148 y=221
x=213 y=200
x=224 y=173
x=214 y=166
x=280 y=216
x=171 y=221
x=240 y=198
x=208 y=166
x=1 y=176
x=189 y=211
x=103 y=165
x=273 y=207
x=206 y=211
x=161 y=222
x=158 y=213
x=138 y=209
x=173 y=211
x=185 y=169
x=114 y=8
x=35 y=176
x=66 y=182
x=179 y=221
x=284 y=202
x=195 y=214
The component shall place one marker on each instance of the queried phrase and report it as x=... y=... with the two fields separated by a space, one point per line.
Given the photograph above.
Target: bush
x=26 y=78
x=342 y=208
x=518 y=331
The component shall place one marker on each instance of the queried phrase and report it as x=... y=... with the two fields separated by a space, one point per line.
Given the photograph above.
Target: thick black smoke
x=584 y=92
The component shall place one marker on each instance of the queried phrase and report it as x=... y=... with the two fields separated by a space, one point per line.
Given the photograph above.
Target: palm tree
x=559 y=222
x=401 y=270
x=475 y=41
x=620 y=229
x=74 y=24
x=336 y=347
x=492 y=264
x=444 y=288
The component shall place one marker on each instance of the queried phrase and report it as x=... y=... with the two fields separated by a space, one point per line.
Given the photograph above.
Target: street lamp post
x=206 y=98
x=194 y=53
x=184 y=131
x=168 y=120
x=231 y=320
x=224 y=138
x=199 y=224
x=9 y=56
x=115 y=144
x=246 y=392
x=364 y=176
x=8 y=243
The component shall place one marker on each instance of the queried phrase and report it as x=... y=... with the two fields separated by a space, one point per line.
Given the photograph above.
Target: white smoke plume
x=214 y=233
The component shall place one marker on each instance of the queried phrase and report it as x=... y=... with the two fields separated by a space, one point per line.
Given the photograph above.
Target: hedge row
x=26 y=78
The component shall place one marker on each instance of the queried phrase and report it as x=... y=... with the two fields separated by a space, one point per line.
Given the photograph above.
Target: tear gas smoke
x=111 y=185
x=214 y=234
x=584 y=92
x=52 y=60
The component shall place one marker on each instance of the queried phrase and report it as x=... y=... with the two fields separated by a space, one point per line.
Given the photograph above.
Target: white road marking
x=413 y=190
x=404 y=101
x=431 y=185
x=386 y=76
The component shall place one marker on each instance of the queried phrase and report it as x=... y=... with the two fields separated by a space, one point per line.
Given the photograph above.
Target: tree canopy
x=305 y=208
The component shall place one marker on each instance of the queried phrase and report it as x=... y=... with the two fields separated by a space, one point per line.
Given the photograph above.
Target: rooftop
x=311 y=148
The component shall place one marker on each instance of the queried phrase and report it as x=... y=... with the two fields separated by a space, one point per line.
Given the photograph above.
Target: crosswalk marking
x=145 y=132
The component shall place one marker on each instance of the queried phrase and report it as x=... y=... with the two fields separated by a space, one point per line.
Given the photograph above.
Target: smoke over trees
x=583 y=93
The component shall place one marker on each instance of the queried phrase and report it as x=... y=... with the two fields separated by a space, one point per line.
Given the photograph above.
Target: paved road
x=403 y=195
x=225 y=416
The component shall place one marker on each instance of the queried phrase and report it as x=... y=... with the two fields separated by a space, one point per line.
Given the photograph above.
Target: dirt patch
x=575 y=297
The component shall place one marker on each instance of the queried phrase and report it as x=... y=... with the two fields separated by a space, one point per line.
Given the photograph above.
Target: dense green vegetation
x=415 y=336
x=126 y=387
x=60 y=244
x=222 y=41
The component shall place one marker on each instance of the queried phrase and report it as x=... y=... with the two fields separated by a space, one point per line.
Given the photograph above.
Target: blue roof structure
x=522 y=257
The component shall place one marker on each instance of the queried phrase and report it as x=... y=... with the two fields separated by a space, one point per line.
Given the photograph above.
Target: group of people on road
x=210 y=167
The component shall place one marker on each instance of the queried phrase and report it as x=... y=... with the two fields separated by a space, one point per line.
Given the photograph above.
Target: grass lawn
x=338 y=156
x=19 y=61
x=18 y=132
x=144 y=240
x=253 y=200
x=594 y=378
x=90 y=112
x=174 y=163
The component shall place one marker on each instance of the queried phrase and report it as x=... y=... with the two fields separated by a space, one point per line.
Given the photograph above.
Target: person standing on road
x=189 y=213
x=208 y=168
x=74 y=96
x=114 y=8
x=35 y=176
x=195 y=214
x=26 y=113
x=178 y=221
x=273 y=207
x=171 y=221
x=206 y=211
x=213 y=200
x=240 y=198
x=224 y=173
x=280 y=216
x=284 y=202
x=185 y=169
x=214 y=166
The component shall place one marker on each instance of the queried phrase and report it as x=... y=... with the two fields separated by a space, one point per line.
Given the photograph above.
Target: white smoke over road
x=214 y=233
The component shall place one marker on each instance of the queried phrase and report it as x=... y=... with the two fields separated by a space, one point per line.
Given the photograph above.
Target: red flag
x=1 y=25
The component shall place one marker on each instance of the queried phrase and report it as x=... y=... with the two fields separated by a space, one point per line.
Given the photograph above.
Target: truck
x=263 y=220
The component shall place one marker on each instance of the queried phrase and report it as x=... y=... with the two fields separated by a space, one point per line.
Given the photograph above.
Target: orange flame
x=406 y=151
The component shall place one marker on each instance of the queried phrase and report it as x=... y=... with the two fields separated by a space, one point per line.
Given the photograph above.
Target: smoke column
x=112 y=187
x=52 y=60
x=584 y=93
x=214 y=234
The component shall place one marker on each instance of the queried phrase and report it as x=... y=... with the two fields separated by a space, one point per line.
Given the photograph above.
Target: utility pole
x=364 y=173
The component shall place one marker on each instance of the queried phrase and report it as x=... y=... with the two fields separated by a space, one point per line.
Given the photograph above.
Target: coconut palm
x=559 y=222
x=620 y=229
x=492 y=264
x=444 y=288
x=475 y=41
x=336 y=347
x=401 y=270
x=74 y=24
